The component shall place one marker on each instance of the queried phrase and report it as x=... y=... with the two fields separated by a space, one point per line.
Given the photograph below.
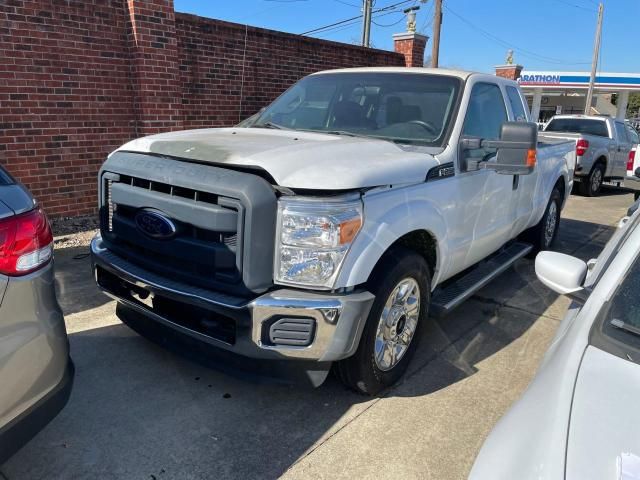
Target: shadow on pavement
x=75 y=285
x=138 y=411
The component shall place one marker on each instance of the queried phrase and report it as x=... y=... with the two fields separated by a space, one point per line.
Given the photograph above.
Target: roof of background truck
x=462 y=74
x=585 y=117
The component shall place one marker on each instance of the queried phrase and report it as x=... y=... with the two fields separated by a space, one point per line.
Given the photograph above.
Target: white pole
x=623 y=101
x=594 y=62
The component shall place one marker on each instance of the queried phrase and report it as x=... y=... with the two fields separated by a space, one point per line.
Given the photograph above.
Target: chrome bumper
x=339 y=319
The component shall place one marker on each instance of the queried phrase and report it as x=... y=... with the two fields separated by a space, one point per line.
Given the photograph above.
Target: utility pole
x=437 y=23
x=594 y=62
x=366 y=22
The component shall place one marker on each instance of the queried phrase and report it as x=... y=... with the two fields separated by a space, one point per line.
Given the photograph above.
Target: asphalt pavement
x=140 y=412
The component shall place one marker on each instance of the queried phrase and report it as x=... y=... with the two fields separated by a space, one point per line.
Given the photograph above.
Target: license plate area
x=193 y=317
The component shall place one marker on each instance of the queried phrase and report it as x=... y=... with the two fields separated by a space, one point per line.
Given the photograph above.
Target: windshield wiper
x=271 y=125
x=341 y=132
x=622 y=325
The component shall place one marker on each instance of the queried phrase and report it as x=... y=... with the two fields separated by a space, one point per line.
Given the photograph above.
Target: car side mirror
x=516 y=148
x=562 y=273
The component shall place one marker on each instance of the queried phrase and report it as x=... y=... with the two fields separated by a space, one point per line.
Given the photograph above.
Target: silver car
x=579 y=417
x=35 y=370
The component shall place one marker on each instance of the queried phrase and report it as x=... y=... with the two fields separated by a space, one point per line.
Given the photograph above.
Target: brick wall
x=214 y=90
x=65 y=96
x=78 y=78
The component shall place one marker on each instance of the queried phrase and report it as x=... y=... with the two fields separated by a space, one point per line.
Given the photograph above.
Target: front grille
x=222 y=222
x=198 y=253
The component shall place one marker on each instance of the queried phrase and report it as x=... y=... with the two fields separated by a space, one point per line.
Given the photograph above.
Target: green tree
x=633 y=107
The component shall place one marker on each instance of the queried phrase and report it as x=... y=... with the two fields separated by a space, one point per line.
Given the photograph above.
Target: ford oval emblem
x=155 y=225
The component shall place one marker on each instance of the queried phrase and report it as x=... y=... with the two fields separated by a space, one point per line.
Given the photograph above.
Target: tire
x=590 y=186
x=544 y=234
x=372 y=369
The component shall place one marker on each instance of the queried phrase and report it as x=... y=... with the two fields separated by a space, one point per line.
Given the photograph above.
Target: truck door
x=621 y=152
x=486 y=197
x=524 y=186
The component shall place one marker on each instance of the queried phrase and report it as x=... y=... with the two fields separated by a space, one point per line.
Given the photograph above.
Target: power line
x=341 y=22
x=347 y=3
x=581 y=7
x=522 y=51
x=384 y=25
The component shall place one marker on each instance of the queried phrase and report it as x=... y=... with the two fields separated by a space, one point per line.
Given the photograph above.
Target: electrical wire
x=522 y=51
x=581 y=7
x=384 y=25
x=347 y=3
x=342 y=22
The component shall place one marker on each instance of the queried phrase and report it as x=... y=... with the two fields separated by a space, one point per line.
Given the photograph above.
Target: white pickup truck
x=327 y=228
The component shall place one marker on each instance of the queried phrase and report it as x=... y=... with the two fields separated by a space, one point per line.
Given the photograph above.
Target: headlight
x=313 y=238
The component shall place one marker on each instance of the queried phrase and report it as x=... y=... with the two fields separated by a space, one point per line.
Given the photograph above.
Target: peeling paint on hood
x=296 y=159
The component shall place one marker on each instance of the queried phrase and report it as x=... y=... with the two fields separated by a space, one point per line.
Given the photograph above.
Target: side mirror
x=516 y=149
x=562 y=273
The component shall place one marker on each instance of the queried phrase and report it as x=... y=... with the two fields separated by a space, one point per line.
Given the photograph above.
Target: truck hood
x=296 y=159
x=604 y=423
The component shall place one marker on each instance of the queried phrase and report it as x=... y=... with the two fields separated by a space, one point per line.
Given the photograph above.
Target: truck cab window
x=485 y=115
x=515 y=100
x=622 y=132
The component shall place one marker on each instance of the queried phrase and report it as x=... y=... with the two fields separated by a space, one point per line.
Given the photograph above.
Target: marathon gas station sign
x=578 y=80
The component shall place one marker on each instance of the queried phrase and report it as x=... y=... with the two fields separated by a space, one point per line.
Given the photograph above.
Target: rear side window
x=586 y=126
x=5 y=179
x=622 y=132
x=516 y=104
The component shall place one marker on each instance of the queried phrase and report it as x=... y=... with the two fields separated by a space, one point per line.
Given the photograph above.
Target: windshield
x=404 y=108
x=578 y=125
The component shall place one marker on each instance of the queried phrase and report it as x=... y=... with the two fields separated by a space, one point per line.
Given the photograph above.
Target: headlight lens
x=313 y=239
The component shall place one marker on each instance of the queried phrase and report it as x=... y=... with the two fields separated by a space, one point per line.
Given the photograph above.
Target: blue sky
x=545 y=34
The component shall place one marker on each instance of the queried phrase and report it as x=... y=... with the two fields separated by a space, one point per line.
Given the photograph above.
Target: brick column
x=412 y=46
x=512 y=72
x=154 y=65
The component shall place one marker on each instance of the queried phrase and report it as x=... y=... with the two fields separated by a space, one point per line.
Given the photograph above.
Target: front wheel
x=401 y=284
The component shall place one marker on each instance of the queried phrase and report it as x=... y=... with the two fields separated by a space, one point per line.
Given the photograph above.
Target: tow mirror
x=516 y=148
x=562 y=273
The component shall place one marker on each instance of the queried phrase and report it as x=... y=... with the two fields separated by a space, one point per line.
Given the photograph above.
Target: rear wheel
x=402 y=286
x=590 y=186
x=545 y=232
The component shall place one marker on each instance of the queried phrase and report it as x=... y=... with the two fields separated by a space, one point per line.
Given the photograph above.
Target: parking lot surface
x=140 y=412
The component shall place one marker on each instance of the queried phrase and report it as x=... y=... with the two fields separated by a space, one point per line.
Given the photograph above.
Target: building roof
x=551 y=80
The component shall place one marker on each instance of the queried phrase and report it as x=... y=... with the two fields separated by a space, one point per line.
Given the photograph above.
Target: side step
x=449 y=297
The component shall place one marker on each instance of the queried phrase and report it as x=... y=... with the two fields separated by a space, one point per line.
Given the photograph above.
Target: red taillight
x=581 y=147
x=631 y=160
x=26 y=243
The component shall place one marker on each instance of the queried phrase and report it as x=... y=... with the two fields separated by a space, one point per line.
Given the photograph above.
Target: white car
x=633 y=163
x=579 y=417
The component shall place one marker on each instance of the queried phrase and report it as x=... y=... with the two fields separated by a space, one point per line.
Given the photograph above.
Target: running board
x=446 y=299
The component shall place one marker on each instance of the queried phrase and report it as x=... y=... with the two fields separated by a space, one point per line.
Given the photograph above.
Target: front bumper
x=337 y=319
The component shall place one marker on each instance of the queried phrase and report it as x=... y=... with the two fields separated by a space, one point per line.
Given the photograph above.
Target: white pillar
x=535 y=104
x=623 y=101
